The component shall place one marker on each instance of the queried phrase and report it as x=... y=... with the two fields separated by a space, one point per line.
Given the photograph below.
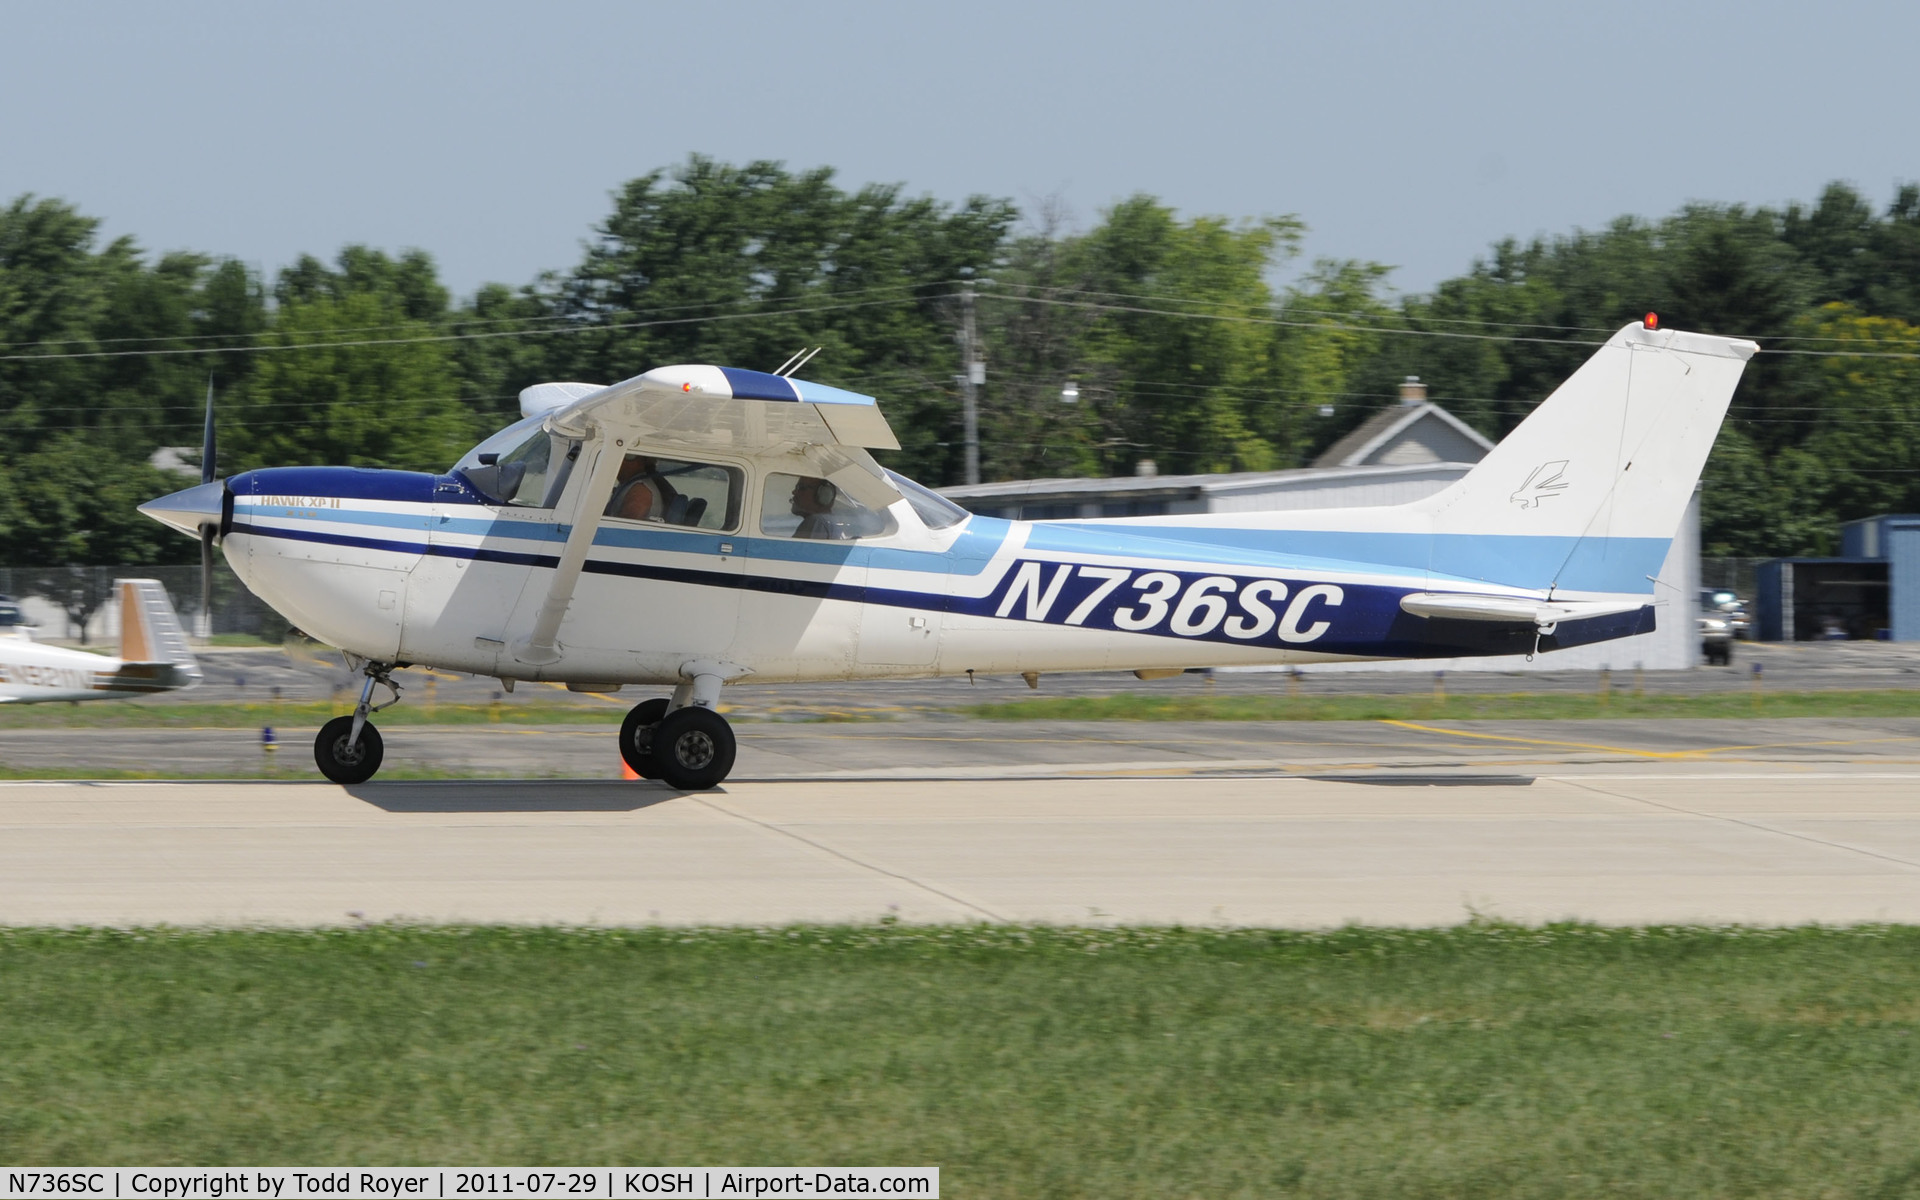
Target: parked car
x=1730 y=607
x=1716 y=637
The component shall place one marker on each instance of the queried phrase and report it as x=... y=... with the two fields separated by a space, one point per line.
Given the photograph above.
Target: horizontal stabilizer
x=1511 y=610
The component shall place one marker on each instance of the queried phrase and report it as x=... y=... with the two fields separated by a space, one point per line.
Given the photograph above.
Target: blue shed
x=1817 y=599
x=1871 y=590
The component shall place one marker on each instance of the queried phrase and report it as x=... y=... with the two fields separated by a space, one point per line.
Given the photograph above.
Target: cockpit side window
x=806 y=506
x=669 y=491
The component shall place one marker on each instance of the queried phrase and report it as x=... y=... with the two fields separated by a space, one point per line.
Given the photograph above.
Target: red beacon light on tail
x=1652 y=321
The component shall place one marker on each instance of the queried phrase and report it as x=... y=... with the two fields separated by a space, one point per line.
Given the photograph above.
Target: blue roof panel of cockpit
x=758 y=385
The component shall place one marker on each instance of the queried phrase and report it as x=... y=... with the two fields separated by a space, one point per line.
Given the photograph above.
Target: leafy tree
x=1329 y=352
x=1165 y=329
x=74 y=501
x=361 y=381
x=747 y=265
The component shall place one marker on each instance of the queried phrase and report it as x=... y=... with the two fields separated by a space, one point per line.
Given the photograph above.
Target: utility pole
x=973 y=373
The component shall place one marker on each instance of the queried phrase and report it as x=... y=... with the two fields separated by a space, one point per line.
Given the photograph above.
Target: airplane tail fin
x=151 y=635
x=1588 y=491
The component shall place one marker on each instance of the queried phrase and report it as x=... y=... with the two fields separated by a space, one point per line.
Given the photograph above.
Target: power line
x=456 y=319
x=577 y=329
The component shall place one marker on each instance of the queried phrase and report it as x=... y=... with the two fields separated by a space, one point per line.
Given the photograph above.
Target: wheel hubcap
x=694 y=750
x=342 y=752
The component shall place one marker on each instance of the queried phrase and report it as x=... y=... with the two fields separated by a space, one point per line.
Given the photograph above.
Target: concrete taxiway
x=1686 y=839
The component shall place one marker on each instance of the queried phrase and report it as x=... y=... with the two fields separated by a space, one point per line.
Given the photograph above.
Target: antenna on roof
x=782 y=368
x=789 y=367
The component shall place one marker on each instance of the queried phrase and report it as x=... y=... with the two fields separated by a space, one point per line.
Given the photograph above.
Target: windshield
x=522 y=465
x=935 y=510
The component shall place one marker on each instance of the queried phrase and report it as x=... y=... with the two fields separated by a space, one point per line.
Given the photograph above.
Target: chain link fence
x=1736 y=575
x=78 y=604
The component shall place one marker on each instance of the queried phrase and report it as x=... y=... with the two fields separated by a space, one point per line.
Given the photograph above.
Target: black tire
x=636 y=736
x=693 y=749
x=336 y=762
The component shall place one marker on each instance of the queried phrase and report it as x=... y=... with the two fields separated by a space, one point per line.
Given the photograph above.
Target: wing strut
x=541 y=646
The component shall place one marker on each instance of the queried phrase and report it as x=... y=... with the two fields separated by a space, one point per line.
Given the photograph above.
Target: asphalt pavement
x=932 y=747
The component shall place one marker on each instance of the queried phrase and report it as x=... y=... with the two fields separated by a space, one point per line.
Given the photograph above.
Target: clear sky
x=492 y=134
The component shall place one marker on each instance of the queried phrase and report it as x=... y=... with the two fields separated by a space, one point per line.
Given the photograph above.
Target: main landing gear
x=348 y=749
x=682 y=742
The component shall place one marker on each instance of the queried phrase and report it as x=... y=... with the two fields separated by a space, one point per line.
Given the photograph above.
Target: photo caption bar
x=463 y=1183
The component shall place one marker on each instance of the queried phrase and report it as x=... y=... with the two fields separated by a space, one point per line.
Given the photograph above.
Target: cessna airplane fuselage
x=698 y=525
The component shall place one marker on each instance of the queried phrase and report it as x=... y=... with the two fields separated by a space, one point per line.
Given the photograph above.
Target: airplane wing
x=718 y=408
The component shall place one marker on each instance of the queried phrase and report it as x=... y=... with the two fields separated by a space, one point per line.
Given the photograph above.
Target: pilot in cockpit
x=642 y=494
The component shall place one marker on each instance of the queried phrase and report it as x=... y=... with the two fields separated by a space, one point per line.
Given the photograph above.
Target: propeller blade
x=207 y=449
x=206 y=576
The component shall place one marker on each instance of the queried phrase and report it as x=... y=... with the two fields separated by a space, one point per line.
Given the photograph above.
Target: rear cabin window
x=670 y=491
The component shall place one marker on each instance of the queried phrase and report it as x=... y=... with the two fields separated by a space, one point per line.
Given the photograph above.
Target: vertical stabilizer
x=1590 y=489
x=150 y=631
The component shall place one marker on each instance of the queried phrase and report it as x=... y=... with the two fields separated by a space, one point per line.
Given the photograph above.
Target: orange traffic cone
x=627 y=772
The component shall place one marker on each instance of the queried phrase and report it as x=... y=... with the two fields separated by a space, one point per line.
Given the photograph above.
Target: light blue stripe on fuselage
x=1594 y=564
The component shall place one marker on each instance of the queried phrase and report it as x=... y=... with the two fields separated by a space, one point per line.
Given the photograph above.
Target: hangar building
x=1871 y=589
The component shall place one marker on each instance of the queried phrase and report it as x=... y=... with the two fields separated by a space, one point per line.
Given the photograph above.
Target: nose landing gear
x=348 y=750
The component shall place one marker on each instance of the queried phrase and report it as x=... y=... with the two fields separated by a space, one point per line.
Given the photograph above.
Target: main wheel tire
x=693 y=749
x=636 y=736
x=340 y=764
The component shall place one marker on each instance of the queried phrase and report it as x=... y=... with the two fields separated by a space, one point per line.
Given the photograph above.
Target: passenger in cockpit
x=813 y=500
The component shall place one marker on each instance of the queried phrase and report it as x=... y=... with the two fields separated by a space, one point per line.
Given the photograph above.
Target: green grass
x=1533 y=706
x=1478 y=1061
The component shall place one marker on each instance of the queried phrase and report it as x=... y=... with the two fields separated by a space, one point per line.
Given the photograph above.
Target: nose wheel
x=349 y=750
x=341 y=758
x=690 y=748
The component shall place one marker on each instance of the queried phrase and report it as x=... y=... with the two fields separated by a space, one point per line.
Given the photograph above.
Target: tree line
x=1147 y=336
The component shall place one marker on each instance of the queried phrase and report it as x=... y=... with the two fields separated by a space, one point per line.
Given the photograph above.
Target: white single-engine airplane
x=697 y=525
x=153 y=656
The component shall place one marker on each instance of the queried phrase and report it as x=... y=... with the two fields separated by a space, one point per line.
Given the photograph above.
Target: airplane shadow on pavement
x=514 y=795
